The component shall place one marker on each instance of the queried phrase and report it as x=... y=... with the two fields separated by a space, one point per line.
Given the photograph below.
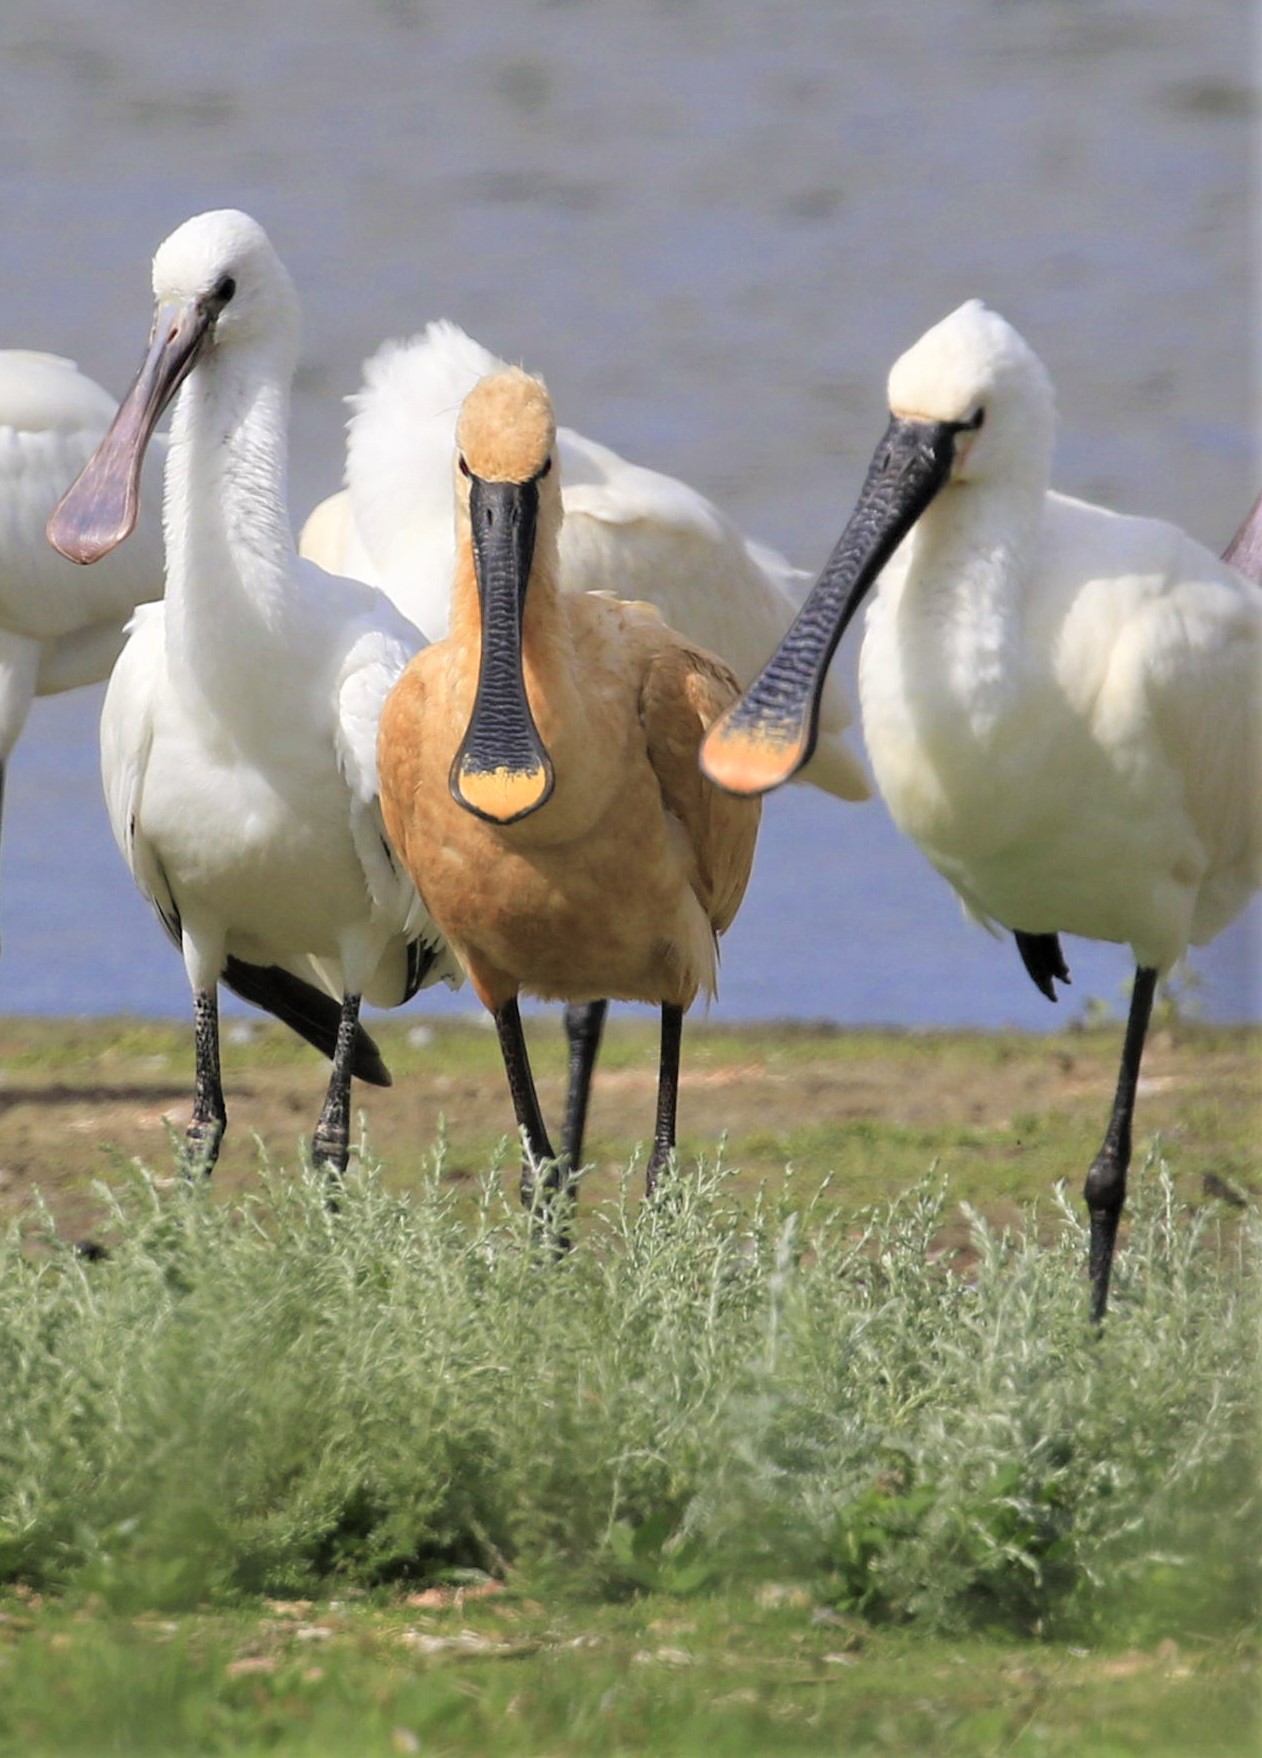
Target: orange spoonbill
x=1062 y=704
x=239 y=731
x=539 y=773
x=627 y=530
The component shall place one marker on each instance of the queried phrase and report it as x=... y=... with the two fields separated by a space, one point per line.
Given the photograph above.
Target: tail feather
x=422 y=957
x=306 y=1010
x=1042 y=957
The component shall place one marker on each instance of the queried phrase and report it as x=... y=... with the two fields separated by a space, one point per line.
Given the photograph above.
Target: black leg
x=521 y=1086
x=330 y=1145
x=210 y=1117
x=1105 y=1189
x=667 y=1095
x=583 y=1026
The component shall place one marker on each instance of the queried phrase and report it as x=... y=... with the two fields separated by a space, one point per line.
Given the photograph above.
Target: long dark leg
x=521 y=1086
x=330 y=1145
x=1105 y=1188
x=583 y=1026
x=667 y=1095
x=210 y=1116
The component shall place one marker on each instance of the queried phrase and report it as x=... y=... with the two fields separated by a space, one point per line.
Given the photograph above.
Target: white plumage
x=1061 y=702
x=59 y=626
x=627 y=530
x=238 y=735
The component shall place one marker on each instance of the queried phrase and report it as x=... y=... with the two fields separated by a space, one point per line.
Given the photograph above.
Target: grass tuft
x=264 y=1397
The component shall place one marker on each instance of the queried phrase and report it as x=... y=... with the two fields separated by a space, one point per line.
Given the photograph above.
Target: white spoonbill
x=539 y=771
x=1061 y=703
x=59 y=627
x=238 y=735
x=628 y=531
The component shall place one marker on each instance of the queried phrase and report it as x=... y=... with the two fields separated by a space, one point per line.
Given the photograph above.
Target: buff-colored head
x=508 y=513
x=507 y=430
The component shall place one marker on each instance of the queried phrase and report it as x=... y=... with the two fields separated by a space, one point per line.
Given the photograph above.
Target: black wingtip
x=1044 y=961
x=305 y=1010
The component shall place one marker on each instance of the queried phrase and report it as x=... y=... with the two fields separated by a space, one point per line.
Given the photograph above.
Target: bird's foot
x=547 y=1194
x=1103 y=1239
x=661 y=1161
x=1105 y=1194
x=330 y=1154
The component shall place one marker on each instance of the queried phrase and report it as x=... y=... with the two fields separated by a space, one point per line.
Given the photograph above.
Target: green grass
x=727 y=1675
x=730 y=1439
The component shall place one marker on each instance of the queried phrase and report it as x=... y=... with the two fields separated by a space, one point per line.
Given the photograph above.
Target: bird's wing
x=374 y=660
x=684 y=690
x=1161 y=654
x=642 y=535
x=1200 y=646
x=126 y=739
x=638 y=534
x=331 y=539
x=400 y=454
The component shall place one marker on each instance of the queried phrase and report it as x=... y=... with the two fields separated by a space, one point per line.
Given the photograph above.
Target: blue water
x=712 y=226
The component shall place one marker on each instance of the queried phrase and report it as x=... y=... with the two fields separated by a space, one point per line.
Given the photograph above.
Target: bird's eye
x=464 y=468
x=976 y=419
x=547 y=465
x=225 y=287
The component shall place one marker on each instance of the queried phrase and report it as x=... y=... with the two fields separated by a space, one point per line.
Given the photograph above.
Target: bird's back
x=1079 y=752
x=51 y=418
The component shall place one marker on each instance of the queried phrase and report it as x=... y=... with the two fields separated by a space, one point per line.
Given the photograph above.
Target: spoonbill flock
x=487 y=719
x=1061 y=704
x=627 y=530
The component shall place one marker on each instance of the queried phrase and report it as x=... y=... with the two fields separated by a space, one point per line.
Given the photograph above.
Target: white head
x=223 y=263
x=219 y=288
x=973 y=370
x=970 y=404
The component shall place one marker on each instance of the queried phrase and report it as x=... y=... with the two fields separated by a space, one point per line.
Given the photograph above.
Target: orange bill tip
x=502 y=795
x=750 y=759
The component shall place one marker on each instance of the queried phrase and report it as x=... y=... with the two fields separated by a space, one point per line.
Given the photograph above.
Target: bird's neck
x=962 y=590
x=231 y=586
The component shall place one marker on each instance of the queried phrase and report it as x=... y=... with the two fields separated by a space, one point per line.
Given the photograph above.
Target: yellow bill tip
x=742 y=760
x=502 y=795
